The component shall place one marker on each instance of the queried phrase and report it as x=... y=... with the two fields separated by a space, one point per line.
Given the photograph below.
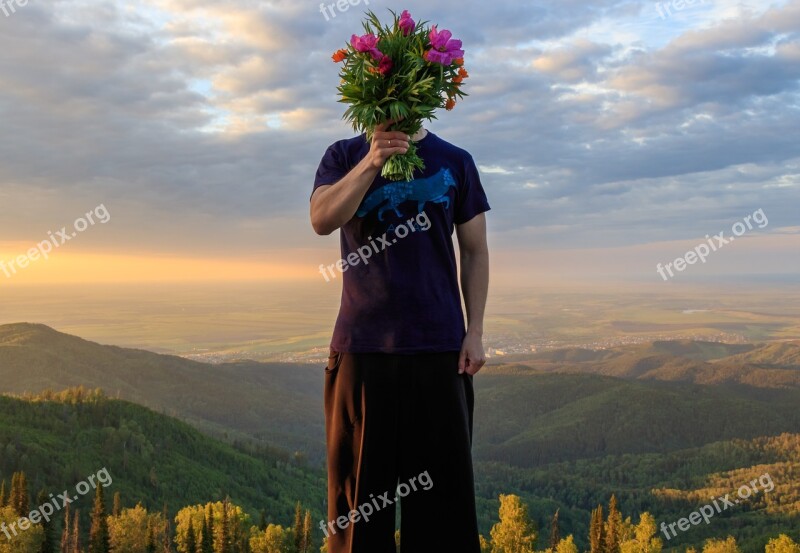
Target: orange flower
x=459 y=61
x=462 y=73
x=450 y=104
x=339 y=55
x=458 y=79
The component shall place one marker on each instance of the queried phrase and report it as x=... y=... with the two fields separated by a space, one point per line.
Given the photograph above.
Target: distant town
x=497 y=345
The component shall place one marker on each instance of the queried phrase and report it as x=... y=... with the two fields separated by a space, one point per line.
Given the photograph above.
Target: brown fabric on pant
x=392 y=420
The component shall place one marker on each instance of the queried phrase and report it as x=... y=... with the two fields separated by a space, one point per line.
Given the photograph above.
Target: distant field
x=268 y=322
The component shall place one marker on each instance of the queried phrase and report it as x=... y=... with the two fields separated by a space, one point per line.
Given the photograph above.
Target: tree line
x=224 y=527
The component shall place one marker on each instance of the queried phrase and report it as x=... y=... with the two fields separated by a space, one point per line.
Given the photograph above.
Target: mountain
x=527 y=417
x=669 y=426
x=709 y=363
x=643 y=400
x=269 y=402
x=779 y=354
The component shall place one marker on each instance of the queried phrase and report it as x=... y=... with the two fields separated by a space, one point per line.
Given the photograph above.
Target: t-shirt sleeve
x=331 y=168
x=471 y=199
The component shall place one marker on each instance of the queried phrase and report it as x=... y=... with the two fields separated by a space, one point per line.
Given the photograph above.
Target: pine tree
x=222 y=544
x=23 y=503
x=66 y=534
x=207 y=544
x=596 y=533
x=308 y=536
x=298 y=529
x=191 y=541
x=150 y=544
x=18 y=498
x=262 y=525
x=244 y=544
x=48 y=527
x=613 y=527
x=208 y=530
x=166 y=545
x=98 y=531
x=12 y=493
x=75 y=540
x=117 y=504
x=3 y=494
x=555 y=532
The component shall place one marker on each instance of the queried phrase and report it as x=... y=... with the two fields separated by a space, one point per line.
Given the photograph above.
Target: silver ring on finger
x=390 y=143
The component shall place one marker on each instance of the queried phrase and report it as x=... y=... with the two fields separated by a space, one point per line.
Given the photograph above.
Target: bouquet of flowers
x=401 y=73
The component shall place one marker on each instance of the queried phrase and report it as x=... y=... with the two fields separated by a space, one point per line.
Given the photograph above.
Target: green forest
x=223 y=527
x=178 y=490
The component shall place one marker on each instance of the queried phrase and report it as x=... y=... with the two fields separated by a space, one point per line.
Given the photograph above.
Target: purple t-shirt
x=400 y=290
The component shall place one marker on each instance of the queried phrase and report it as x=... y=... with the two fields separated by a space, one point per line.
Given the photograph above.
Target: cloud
x=200 y=124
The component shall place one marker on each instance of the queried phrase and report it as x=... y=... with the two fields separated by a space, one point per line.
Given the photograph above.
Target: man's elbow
x=318 y=222
x=322 y=224
x=321 y=227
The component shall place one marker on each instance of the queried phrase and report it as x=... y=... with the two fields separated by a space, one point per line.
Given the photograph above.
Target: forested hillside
x=59 y=438
x=546 y=433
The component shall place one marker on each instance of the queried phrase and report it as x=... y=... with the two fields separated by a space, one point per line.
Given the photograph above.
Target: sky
x=610 y=135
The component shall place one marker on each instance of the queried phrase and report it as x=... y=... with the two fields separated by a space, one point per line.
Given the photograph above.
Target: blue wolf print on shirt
x=431 y=189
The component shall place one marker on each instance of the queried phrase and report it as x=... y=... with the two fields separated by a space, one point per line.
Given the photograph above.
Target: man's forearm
x=333 y=205
x=475 y=287
x=338 y=203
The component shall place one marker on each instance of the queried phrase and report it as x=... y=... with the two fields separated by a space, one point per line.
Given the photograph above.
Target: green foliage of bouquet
x=400 y=73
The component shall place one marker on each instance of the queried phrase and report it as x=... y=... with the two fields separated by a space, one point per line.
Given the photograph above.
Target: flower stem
x=401 y=166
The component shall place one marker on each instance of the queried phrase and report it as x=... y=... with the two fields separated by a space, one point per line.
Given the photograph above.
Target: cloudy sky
x=610 y=134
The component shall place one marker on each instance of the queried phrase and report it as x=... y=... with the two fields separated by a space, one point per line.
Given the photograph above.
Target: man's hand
x=472 y=357
x=332 y=205
x=386 y=143
x=475 y=286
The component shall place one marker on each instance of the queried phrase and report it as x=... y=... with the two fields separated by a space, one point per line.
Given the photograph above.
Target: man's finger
x=391 y=135
x=393 y=121
x=474 y=368
x=462 y=361
x=385 y=125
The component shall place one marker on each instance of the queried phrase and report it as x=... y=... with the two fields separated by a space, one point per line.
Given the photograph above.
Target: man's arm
x=475 y=287
x=335 y=204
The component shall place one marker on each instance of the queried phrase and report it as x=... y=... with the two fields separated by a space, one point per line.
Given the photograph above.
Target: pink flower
x=367 y=43
x=406 y=24
x=443 y=49
x=385 y=65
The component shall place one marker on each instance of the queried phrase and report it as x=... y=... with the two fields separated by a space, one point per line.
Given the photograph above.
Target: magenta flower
x=406 y=24
x=367 y=43
x=443 y=49
x=385 y=65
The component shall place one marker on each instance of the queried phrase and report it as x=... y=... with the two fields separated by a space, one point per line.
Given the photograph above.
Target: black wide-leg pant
x=399 y=429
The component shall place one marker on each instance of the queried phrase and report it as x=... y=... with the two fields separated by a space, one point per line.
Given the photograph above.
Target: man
x=398 y=385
